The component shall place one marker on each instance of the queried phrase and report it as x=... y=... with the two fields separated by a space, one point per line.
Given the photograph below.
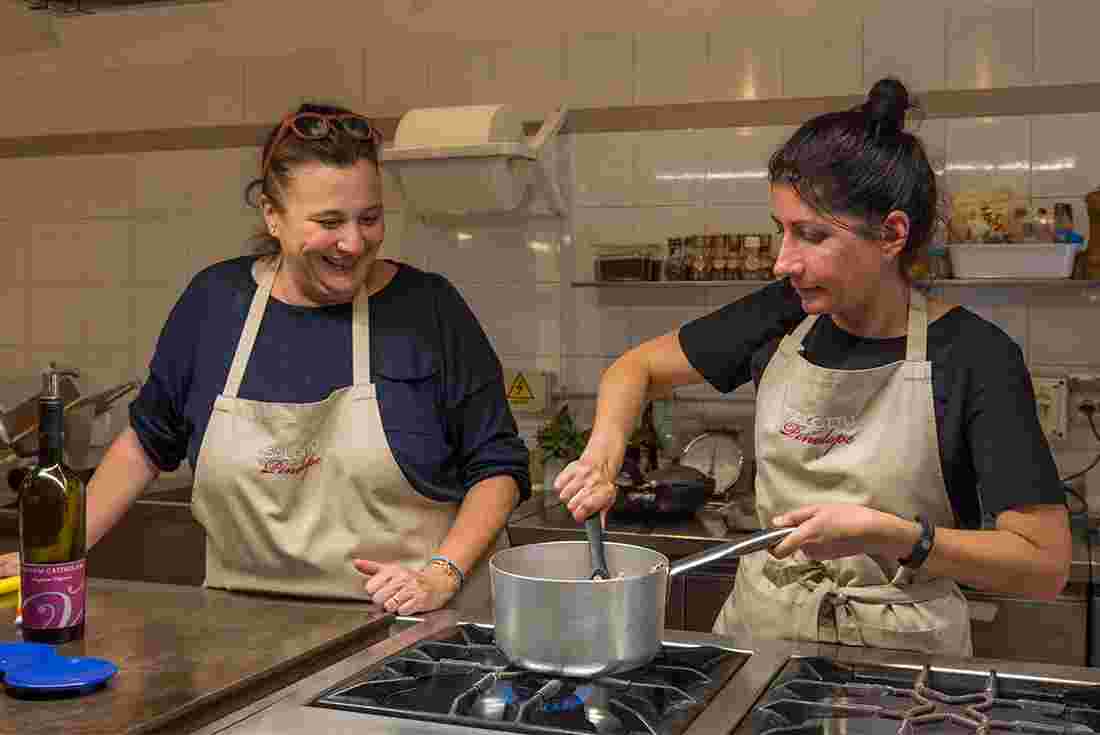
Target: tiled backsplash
x=95 y=249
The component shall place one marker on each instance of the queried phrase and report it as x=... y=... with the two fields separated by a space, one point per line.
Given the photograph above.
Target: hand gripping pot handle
x=756 y=542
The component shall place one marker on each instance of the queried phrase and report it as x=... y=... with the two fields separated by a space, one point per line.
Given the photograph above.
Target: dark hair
x=336 y=149
x=862 y=163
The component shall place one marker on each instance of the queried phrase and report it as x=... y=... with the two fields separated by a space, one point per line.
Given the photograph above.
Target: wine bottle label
x=53 y=595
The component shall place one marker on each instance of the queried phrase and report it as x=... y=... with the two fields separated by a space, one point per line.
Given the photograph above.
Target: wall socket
x=1052 y=402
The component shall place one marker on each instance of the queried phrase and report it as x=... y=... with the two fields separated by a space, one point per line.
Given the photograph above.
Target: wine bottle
x=52 y=541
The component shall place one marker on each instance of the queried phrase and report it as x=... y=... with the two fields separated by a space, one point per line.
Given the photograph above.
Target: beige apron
x=289 y=493
x=849 y=436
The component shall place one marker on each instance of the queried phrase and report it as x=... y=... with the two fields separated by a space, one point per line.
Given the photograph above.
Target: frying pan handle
x=594 y=530
x=756 y=542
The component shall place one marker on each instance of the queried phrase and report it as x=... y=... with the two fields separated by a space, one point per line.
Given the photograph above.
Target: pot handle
x=756 y=542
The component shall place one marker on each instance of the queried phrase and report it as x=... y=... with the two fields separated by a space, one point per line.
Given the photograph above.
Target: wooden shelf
x=944 y=283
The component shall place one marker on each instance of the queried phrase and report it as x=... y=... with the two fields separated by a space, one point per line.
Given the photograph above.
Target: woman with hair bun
x=897 y=432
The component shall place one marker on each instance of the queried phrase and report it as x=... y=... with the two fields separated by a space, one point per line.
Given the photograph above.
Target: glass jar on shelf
x=754 y=268
x=698 y=265
x=713 y=254
x=735 y=257
x=674 y=265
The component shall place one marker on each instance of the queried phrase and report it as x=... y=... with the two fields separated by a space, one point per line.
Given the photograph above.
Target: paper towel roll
x=470 y=125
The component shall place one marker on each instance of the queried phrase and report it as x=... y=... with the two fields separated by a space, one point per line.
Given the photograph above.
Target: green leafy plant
x=560 y=437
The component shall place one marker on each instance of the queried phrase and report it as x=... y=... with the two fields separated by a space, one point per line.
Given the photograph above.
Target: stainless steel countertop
x=285 y=711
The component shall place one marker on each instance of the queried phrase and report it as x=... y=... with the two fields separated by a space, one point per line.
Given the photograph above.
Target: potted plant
x=560 y=441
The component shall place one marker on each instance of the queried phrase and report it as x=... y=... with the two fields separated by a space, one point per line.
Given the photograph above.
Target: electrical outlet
x=1052 y=402
x=1076 y=415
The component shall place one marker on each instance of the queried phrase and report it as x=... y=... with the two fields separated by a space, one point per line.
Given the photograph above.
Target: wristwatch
x=923 y=545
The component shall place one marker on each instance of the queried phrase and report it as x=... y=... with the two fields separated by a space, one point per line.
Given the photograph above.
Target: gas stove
x=442 y=676
x=464 y=679
x=813 y=696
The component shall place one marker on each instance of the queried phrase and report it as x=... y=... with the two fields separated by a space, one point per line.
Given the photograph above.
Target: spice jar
x=754 y=266
x=735 y=257
x=713 y=254
x=698 y=265
x=674 y=260
x=767 y=257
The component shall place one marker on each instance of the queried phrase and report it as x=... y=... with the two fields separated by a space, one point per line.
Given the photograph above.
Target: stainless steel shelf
x=946 y=283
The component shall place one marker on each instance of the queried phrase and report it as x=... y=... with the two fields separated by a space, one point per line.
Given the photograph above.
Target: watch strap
x=922 y=547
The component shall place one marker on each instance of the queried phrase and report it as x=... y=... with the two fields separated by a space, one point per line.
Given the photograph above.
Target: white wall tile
x=737 y=169
x=390 y=88
x=194 y=181
x=671 y=68
x=73 y=316
x=657 y=224
x=600 y=69
x=529 y=76
x=512 y=255
x=906 y=41
x=172 y=251
x=98 y=251
x=66 y=188
x=671 y=167
x=989 y=47
x=1065 y=155
x=1060 y=331
x=100 y=367
x=822 y=55
x=601 y=225
x=13 y=361
x=582 y=375
x=275 y=85
x=1066 y=51
x=604 y=167
x=208 y=91
x=13 y=315
x=455 y=69
x=14 y=240
x=519 y=319
x=988 y=153
x=746 y=60
x=593 y=327
x=735 y=218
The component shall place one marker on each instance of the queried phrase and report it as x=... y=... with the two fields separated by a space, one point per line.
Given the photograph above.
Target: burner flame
x=570 y=702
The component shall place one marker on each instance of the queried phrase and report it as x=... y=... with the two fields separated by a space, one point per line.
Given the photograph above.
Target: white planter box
x=1012 y=260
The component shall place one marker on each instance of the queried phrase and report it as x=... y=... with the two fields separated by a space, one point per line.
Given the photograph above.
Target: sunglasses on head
x=317 y=125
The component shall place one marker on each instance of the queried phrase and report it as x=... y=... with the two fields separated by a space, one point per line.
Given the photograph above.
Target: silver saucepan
x=552 y=618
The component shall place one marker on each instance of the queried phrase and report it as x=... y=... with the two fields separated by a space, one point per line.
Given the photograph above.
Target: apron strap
x=793 y=341
x=916 y=342
x=251 y=329
x=360 y=338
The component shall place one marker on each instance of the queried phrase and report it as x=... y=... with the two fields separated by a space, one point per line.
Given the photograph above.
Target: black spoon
x=594 y=530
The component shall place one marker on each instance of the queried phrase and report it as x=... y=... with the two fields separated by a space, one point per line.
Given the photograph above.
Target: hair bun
x=886 y=105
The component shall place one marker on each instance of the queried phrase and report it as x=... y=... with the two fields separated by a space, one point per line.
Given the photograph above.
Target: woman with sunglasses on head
x=888 y=424
x=345 y=415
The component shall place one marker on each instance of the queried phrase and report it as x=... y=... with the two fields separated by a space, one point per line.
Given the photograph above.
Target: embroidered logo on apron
x=819 y=430
x=290 y=460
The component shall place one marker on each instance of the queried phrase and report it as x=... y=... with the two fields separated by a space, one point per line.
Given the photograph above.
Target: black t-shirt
x=439 y=383
x=993 y=452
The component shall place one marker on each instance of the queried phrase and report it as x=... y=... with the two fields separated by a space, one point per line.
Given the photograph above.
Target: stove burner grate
x=821 y=698
x=466 y=680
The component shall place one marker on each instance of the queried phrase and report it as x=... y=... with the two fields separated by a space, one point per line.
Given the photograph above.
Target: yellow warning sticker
x=520 y=391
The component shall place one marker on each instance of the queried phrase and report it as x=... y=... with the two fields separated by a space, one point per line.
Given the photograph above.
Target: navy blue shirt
x=439 y=383
x=992 y=449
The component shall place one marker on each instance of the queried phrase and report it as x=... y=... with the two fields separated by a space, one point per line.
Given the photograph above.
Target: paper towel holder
x=498 y=173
